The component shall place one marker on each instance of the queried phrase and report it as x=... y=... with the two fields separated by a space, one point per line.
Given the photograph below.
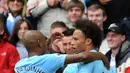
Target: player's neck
x=90 y=47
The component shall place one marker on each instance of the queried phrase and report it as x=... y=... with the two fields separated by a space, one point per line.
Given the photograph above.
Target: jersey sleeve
x=55 y=61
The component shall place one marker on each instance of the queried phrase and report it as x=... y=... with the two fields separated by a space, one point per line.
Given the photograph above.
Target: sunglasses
x=16 y=0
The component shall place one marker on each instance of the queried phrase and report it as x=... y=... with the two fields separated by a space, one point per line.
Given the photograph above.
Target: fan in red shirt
x=8 y=53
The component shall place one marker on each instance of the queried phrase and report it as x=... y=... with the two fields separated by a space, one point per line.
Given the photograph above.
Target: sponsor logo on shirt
x=3 y=54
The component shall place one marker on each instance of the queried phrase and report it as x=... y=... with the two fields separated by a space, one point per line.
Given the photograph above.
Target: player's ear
x=88 y=41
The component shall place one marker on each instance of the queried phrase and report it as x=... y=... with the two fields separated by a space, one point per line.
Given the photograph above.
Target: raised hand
x=104 y=1
x=64 y=4
x=30 y=7
x=52 y=3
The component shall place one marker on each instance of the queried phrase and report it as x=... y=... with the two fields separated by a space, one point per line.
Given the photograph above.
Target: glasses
x=16 y=0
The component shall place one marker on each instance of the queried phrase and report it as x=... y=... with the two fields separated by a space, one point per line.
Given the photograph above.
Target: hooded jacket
x=122 y=58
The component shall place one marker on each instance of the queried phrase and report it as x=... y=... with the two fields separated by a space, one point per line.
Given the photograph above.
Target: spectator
x=34 y=41
x=8 y=53
x=17 y=10
x=116 y=10
x=56 y=27
x=49 y=11
x=66 y=40
x=75 y=11
x=62 y=41
x=15 y=13
x=120 y=48
x=20 y=28
x=60 y=44
x=96 y=13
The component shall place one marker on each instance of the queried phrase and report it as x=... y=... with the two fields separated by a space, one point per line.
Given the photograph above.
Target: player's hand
x=52 y=3
x=104 y=1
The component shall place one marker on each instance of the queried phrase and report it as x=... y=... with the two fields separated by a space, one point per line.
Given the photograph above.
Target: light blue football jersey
x=48 y=63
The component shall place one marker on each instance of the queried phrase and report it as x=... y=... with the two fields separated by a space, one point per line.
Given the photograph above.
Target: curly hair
x=90 y=30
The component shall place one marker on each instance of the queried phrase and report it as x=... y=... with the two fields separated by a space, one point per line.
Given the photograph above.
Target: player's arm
x=87 y=56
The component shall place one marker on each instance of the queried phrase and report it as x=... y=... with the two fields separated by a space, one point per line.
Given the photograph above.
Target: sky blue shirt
x=71 y=68
x=48 y=63
x=96 y=66
x=10 y=22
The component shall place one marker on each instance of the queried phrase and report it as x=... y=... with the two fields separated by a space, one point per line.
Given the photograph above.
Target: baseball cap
x=114 y=27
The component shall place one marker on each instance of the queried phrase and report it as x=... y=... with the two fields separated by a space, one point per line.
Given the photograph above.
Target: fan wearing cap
x=119 y=53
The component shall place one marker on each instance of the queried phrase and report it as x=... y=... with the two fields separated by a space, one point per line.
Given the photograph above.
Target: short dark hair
x=75 y=3
x=90 y=30
x=58 y=24
x=96 y=7
x=68 y=32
